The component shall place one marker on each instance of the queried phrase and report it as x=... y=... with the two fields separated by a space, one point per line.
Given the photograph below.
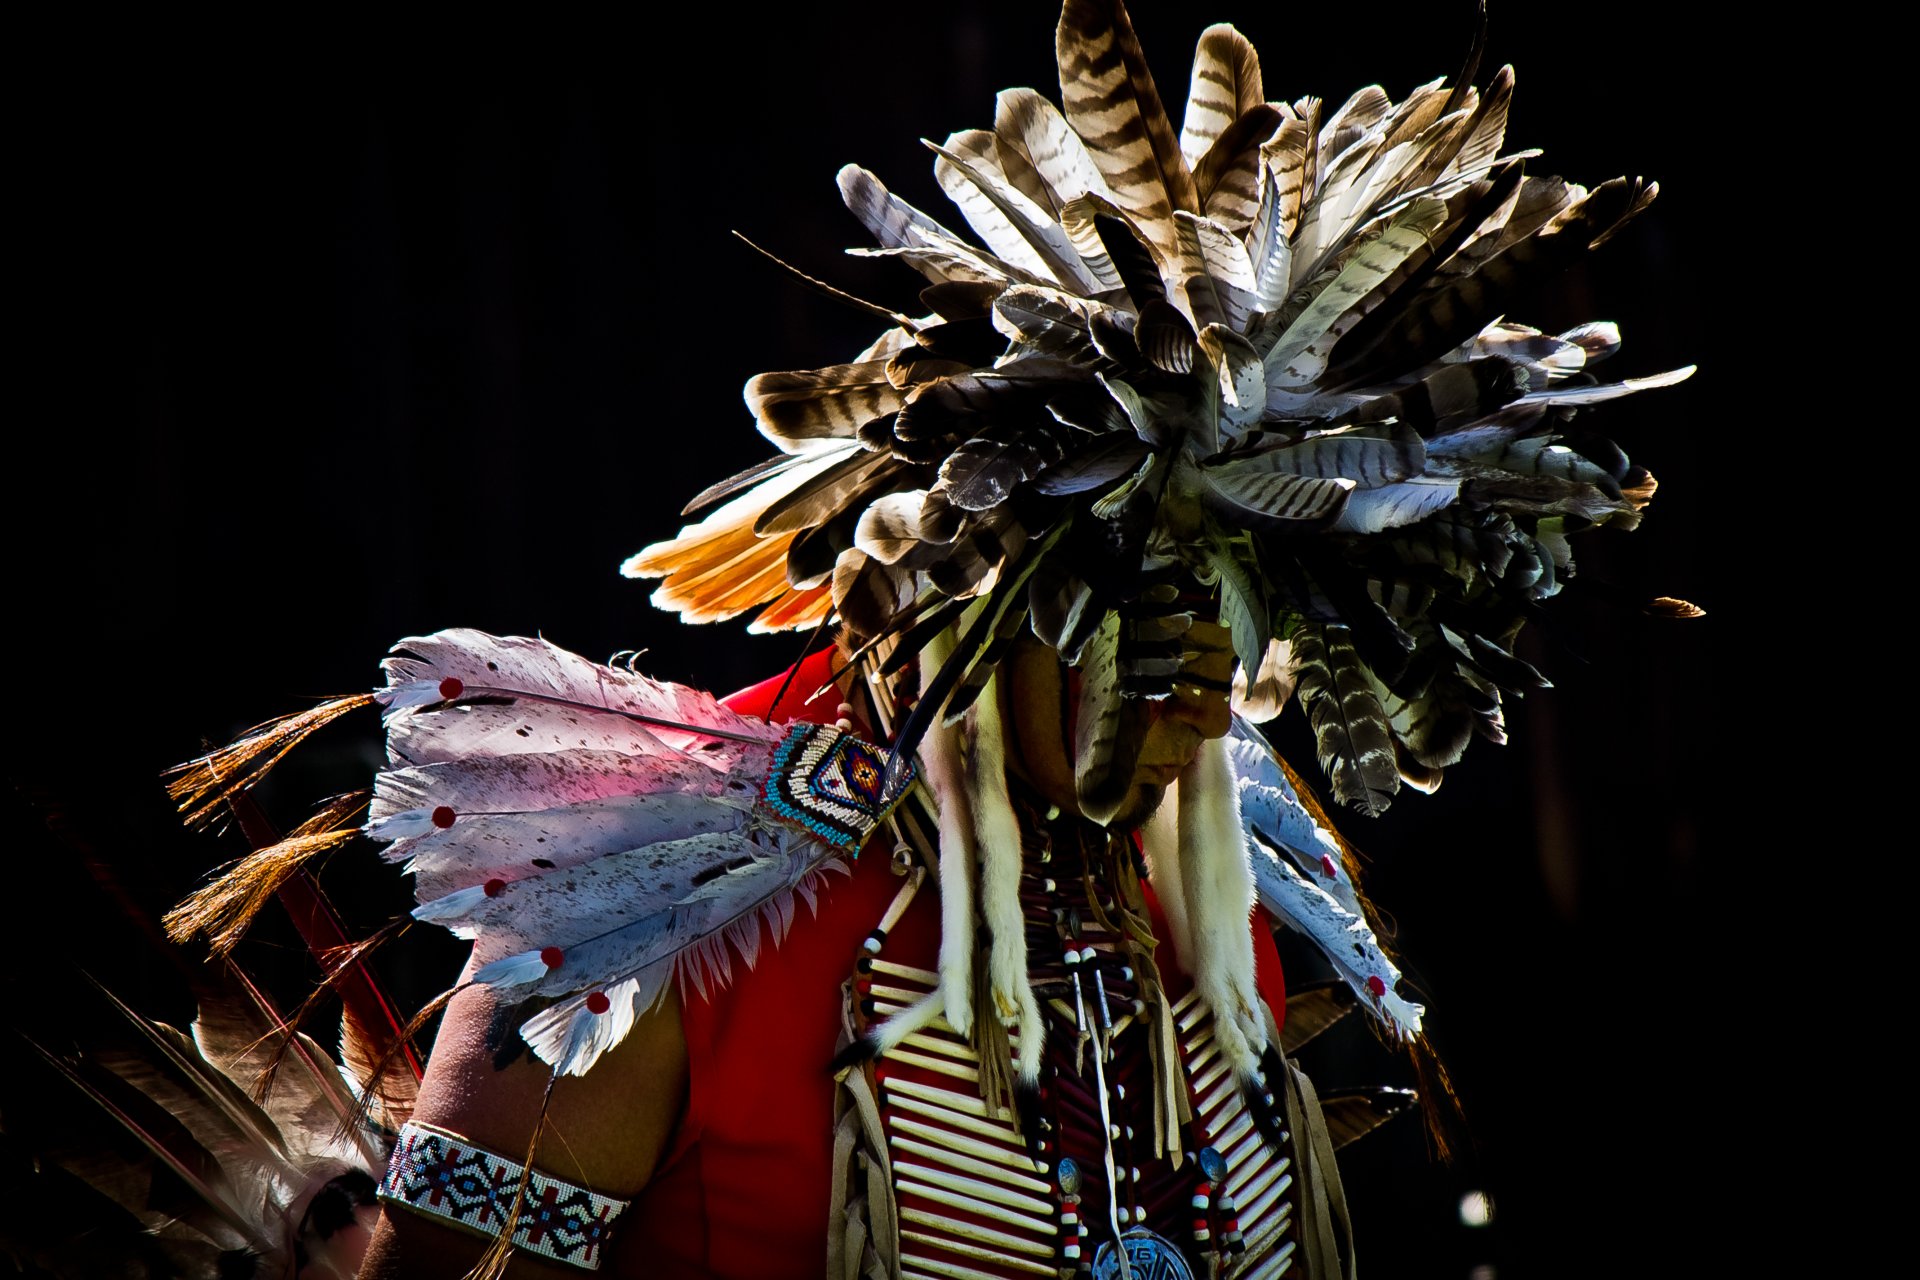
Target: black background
x=349 y=338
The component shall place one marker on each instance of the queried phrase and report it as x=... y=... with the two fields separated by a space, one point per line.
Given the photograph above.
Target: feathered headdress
x=1274 y=360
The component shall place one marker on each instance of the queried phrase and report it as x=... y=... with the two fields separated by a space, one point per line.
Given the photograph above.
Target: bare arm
x=606 y=1130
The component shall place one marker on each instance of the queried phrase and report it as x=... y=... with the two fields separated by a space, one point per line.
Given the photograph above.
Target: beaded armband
x=444 y=1176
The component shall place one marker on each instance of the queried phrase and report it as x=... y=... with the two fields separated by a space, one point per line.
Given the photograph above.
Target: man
x=1248 y=372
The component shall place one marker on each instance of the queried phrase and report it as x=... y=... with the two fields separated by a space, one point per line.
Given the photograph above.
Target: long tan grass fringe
x=225 y=908
x=201 y=786
x=991 y=1045
x=1133 y=924
x=493 y=1263
x=336 y=813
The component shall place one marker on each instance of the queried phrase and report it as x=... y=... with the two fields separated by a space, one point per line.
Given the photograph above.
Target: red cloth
x=743 y=1189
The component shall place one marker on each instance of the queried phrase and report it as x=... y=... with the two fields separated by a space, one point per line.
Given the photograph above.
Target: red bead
x=1326 y=865
x=597 y=1002
x=552 y=957
x=1376 y=986
x=493 y=887
x=451 y=688
x=443 y=817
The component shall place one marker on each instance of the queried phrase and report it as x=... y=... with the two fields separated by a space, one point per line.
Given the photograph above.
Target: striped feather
x=889 y=528
x=1243 y=382
x=1272 y=499
x=1370 y=457
x=799 y=409
x=1030 y=127
x=1487 y=132
x=1268 y=249
x=1226 y=85
x=897 y=225
x=810 y=501
x=1014 y=227
x=1349 y=724
x=1111 y=102
x=1223 y=256
x=867 y=593
x=1289 y=162
x=1229 y=175
x=1406 y=235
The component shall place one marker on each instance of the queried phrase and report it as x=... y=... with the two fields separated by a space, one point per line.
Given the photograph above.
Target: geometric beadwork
x=441 y=1175
x=830 y=784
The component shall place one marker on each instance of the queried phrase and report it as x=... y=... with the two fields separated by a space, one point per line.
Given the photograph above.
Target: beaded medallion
x=831 y=785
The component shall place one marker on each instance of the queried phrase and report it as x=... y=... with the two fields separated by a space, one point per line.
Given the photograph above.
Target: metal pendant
x=1149 y=1257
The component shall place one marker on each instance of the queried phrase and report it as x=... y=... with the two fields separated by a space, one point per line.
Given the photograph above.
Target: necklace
x=1137 y=1153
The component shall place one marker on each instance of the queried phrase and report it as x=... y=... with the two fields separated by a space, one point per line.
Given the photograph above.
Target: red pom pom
x=552 y=957
x=1326 y=865
x=494 y=886
x=451 y=688
x=443 y=817
x=597 y=1002
x=1376 y=986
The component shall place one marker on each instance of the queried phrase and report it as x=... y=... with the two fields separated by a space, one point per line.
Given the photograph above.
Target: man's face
x=1168 y=733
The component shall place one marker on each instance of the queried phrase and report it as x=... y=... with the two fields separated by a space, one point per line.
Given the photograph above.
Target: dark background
x=348 y=340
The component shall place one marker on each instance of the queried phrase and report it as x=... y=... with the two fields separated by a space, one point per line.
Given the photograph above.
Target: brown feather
x=1228 y=175
x=1111 y=101
x=1226 y=85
